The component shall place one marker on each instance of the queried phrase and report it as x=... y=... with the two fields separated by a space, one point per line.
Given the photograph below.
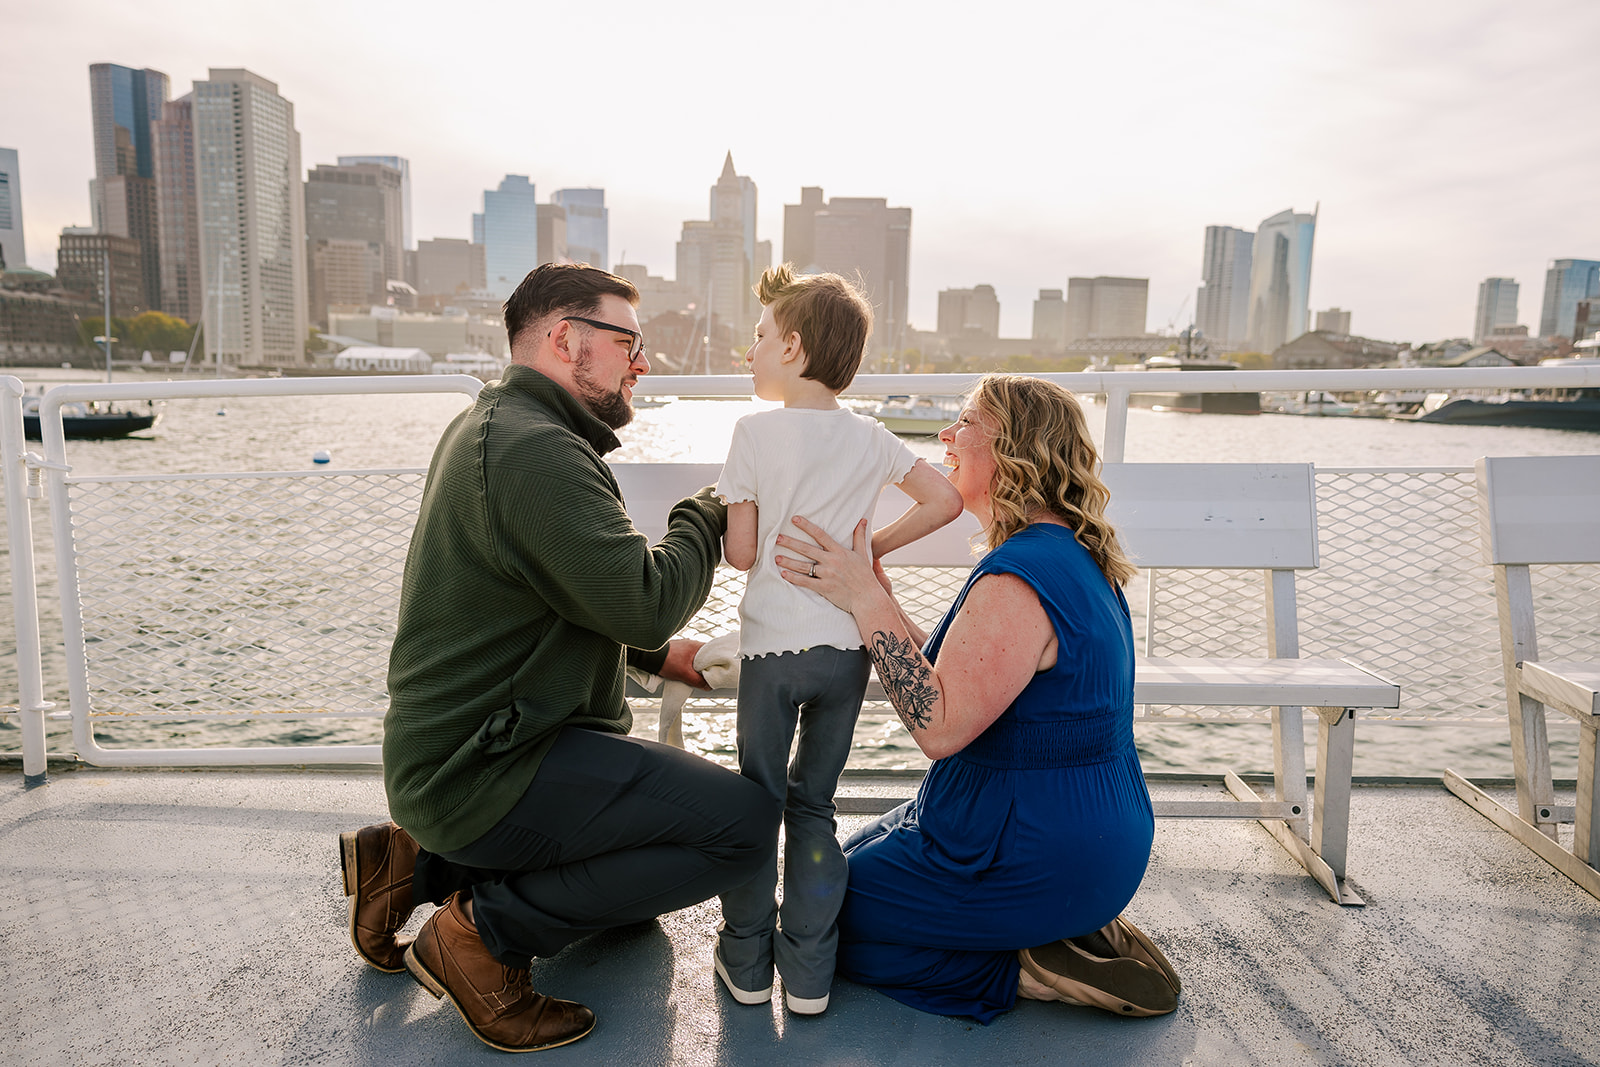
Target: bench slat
x=1568 y=685
x=1249 y=682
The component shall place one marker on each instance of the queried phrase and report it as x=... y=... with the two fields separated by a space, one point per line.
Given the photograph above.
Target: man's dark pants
x=613 y=830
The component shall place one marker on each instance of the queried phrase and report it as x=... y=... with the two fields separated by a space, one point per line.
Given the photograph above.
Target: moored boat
x=1196 y=402
x=1549 y=409
x=917 y=416
x=93 y=421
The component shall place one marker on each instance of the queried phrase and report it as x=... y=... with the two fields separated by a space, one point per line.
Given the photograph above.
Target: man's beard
x=612 y=409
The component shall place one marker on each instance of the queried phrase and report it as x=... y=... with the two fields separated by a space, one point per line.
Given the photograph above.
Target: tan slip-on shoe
x=1120 y=984
x=1130 y=941
x=378 y=862
x=498 y=1003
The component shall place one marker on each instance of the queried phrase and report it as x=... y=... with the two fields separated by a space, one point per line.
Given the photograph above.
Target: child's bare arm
x=935 y=503
x=739 y=542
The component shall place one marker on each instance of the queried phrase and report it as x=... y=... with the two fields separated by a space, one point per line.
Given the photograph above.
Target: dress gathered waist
x=1036 y=745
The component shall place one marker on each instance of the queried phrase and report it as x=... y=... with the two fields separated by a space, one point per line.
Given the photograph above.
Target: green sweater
x=524 y=582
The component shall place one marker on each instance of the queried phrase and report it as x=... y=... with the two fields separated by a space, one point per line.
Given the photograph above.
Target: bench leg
x=1530 y=763
x=1586 y=832
x=1330 y=813
x=1298 y=847
x=1289 y=762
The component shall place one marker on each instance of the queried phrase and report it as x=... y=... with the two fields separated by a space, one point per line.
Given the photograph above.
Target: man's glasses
x=635 y=351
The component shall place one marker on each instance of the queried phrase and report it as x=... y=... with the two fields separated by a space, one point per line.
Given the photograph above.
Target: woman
x=1033 y=826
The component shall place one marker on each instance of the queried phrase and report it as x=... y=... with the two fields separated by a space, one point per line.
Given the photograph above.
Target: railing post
x=1116 y=426
x=24 y=593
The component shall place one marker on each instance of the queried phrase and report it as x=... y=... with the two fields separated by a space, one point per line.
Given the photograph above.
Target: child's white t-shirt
x=827 y=465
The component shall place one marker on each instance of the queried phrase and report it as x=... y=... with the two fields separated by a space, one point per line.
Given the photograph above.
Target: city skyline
x=1373 y=111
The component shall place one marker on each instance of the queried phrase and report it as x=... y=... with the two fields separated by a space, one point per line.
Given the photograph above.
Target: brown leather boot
x=498 y=1002
x=378 y=862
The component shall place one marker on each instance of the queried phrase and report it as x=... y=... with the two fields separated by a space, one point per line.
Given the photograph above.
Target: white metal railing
x=144 y=654
x=19 y=489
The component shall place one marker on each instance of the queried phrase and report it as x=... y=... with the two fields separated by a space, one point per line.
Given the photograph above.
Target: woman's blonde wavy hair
x=1045 y=461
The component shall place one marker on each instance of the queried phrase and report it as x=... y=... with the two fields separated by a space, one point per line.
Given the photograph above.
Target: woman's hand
x=849 y=578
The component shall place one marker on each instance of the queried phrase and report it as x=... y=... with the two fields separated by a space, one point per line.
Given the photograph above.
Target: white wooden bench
x=1212 y=516
x=1542 y=510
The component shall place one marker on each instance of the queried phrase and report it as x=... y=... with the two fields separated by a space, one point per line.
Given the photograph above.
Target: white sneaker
x=743 y=996
x=805 y=1005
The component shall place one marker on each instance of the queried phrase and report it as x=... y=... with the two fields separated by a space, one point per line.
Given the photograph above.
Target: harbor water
x=357 y=433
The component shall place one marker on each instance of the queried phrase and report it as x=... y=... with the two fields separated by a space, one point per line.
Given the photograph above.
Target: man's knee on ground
x=753 y=830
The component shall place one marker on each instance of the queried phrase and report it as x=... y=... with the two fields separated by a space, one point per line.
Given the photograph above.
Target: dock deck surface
x=186 y=916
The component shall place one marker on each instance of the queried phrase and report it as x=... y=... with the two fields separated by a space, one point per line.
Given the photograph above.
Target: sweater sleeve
x=561 y=528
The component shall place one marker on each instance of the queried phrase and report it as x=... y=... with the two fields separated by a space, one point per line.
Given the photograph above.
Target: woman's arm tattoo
x=907 y=679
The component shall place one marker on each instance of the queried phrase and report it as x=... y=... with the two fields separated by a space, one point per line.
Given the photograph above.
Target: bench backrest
x=1211 y=515
x=1540 y=509
x=1215 y=515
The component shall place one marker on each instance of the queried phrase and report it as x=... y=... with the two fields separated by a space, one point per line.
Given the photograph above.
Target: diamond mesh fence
x=276 y=595
x=241 y=595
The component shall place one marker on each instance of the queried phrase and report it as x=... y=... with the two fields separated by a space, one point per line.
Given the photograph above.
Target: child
x=801 y=658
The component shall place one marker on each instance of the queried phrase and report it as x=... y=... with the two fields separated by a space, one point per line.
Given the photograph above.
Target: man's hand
x=679 y=666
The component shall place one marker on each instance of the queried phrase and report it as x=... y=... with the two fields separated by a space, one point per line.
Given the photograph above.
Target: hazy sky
x=1446 y=140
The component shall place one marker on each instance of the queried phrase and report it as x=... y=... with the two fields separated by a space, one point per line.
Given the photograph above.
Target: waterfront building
x=658 y=296
x=969 y=312
x=252 y=220
x=1479 y=356
x=1497 y=306
x=1586 y=322
x=437 y=335
x=403 y=165
x=1334 y=320
x=863 y=239
x=364 y=359
x=39 y=320
x=588 y=225
x=344 y=272
x=446 y=266
x=800 y=229
x=1321 y=350
x=1280 y=280
x=81 y=267
x=552 y=243
x=1566 y=282
x=1106 y=307
x=1439 y=353
x=123 y=104
x=508 y=229
x=178 y=209
x=354 y=234
x=1222 y=304
x=1050 y=318
x=13 y=247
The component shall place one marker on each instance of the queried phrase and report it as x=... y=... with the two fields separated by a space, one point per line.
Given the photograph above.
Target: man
x=528 y=813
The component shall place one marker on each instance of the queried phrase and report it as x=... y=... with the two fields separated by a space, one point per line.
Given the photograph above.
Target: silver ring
x=813 y=568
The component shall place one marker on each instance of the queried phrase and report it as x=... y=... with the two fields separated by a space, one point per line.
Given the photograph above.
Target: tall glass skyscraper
x=1565 y=283
x=510 y=234
x=1222 y=306
x=252 y=220
x=1280 y=280
x=123 y=103
x=1497 y=306
x=181 y=287
x=588 y=224
x=12 y=247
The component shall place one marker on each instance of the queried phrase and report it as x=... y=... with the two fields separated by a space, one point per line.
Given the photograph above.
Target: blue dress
x=1039 y=829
